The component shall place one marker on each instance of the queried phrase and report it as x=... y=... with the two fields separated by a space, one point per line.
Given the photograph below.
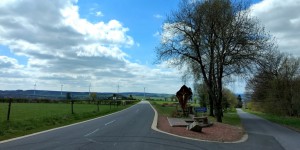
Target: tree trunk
x=219 y=88
x=218 y=109
x=218 y=113
x=211 y=106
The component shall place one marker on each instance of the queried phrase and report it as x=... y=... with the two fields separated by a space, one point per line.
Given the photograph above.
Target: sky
x=80 y=45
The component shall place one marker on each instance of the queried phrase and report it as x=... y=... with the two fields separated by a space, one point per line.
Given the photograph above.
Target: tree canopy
x=213 y=39
x=275 y=87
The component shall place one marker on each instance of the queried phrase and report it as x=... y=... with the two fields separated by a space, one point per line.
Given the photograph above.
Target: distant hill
x=76 y=95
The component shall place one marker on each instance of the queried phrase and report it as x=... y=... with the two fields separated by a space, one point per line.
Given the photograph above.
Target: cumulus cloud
x=282 y=19
x=57 y=41
x=62 y=47
x=168 y=32
x=171 y=31
x=7 y=63
x=10 y=68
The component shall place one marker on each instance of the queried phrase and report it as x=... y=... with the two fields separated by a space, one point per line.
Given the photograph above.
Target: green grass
x=29 y=118
x=230 y=117
x=291 y=122
x=165 y=111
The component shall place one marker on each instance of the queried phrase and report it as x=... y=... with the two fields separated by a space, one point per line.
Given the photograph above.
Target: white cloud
x=9 y=63
x=63 y=48
x=171 y=30
x=158 y=16
x=99 y=14
x=156 y=34
x=100 y=50
x=138 y=44
x=282 y=19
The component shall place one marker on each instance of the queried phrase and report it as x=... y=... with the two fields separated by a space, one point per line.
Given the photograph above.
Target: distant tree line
x=68 y=98
x=275 y=88
x=31 y=100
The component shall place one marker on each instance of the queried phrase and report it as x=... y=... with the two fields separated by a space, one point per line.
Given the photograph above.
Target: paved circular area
x=217 y=132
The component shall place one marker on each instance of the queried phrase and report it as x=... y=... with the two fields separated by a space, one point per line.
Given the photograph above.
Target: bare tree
x=275 y=87
x=213 y=39
x=93 y=96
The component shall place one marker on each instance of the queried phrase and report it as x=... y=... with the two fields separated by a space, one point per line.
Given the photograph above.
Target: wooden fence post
x=110 y=106
x=72 y=103
x=9 y=106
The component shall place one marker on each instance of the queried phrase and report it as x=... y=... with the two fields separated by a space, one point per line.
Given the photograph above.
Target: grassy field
x=26 y=118
x=166 y=111
x=230 y=117
x=291 y=122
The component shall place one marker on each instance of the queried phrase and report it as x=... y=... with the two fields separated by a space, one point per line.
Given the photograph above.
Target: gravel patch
x=217 y=132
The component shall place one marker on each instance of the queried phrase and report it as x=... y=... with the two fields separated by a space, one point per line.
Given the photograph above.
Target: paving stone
x=177 y=122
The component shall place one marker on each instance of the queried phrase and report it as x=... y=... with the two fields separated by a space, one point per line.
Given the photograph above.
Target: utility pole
x=118 y=88
x=34 y=88
x=90 y=89
x=144 y=93
x=61 y=88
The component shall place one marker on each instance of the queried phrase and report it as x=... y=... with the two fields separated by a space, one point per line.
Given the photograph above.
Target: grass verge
x=232 y=118
x=290 y=122
x=27 y=118
x=163 y=110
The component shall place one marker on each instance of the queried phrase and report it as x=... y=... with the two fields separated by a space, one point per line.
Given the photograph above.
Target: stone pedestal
x=195 y=126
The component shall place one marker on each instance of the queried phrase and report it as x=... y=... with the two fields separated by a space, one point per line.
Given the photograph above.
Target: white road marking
x=92 y=140
x=91 y=132
x=110 y=122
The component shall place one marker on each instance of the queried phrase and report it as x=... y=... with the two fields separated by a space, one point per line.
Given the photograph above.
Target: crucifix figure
x=183 y=95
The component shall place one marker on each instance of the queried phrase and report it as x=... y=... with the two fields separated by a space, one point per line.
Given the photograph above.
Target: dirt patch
x=217 y=132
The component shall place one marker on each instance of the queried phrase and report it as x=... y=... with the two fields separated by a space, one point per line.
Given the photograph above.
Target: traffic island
x=218 y=132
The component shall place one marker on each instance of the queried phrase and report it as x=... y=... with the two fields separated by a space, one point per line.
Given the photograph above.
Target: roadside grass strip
x=28 y=118
x=290 y=122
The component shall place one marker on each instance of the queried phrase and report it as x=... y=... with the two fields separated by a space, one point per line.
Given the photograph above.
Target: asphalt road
x=131 y=130
x=256 y=126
